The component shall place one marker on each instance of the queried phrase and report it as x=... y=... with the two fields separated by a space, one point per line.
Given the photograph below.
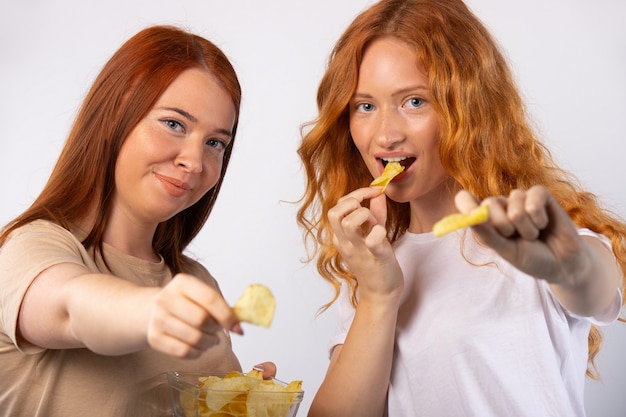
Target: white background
x=569 y=57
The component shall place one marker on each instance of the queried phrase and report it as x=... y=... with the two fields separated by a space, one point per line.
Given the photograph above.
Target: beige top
x=77 y=382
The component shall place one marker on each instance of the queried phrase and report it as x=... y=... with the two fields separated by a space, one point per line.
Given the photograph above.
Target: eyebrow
x=183 y=113
x=399 y=92
x=193 y=119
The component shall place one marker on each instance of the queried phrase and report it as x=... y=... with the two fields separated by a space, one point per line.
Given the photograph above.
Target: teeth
x=394 y=159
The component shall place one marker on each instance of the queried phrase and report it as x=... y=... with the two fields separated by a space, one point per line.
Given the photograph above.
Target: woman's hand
x=531 y=231
x=267 y=368
x=360 y=237
x=535 y=234
x=188 y=317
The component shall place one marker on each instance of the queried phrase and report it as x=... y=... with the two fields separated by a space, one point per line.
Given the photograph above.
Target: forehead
x=201 y=94
x=194 y=81
x=388 y=60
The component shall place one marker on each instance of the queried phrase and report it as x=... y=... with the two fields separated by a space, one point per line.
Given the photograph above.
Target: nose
x=390 y=128
x=191 y=156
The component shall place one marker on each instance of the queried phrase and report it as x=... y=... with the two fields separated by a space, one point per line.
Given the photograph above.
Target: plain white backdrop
x=569 y=57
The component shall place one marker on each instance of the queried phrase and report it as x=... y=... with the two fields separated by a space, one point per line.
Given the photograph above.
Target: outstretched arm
x=534 y=233
x=68 y=307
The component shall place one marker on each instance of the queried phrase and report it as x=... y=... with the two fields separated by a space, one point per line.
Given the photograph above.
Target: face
x=175 y=153
x=392 y=119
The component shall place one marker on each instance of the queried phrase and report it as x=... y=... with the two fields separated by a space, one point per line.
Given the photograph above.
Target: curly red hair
x=487 y=143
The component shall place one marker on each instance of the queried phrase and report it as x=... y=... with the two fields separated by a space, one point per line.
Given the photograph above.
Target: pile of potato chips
x=239 y=395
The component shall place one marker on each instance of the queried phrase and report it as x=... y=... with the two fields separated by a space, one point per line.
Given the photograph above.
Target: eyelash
x=421 y=101
x=174 y=124
x=362 y=106
x=222 y=144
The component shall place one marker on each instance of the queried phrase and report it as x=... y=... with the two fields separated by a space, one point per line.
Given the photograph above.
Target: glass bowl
x=191 y=397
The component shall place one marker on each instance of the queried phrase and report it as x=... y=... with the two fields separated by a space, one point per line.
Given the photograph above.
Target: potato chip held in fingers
x=392 y=169
x=256 y=305
x=458 y=221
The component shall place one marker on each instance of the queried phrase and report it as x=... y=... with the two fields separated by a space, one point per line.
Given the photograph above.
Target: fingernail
x=259 y=368
x=237 y=329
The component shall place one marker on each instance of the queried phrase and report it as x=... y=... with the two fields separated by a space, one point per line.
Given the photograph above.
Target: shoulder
x=38 y=245
x=40 y=234
x=588 y=232
x=40 y=226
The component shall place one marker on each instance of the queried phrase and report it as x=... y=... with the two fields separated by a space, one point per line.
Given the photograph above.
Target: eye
x=217 y=144
x=365 y=107
x=414 y=102
x=174 y=125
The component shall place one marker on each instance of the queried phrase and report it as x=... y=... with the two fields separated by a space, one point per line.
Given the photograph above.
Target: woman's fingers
x=211 y=303
x=522 y=214
x=177 y=338
x=188 y=317
x=268 y=369
x=348 y=204
x=348 y=217
x=530 y=230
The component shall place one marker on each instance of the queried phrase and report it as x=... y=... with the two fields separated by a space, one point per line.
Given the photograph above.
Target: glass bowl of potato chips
x=232 y=395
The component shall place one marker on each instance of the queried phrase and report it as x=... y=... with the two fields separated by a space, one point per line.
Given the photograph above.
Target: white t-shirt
x=480 y=338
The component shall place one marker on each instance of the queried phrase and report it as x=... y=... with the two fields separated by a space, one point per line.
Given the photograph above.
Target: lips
x=405 y=161
x=173 y=186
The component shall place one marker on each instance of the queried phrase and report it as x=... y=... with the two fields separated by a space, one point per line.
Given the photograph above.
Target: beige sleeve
x=28 y=251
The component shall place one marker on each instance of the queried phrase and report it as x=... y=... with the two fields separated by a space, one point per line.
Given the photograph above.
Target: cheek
x=127 y=164
x=431 y=133
x=362 y=146
x=212 y=171
x=357 y=136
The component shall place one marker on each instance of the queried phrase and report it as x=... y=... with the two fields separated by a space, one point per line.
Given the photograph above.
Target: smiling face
x=175 y=153
x=392 y=119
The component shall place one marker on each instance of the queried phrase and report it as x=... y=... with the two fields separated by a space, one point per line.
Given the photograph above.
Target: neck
x=126 y=235
x=430 y=208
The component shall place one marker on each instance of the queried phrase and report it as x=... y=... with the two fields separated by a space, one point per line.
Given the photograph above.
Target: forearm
x=67 y=307
x=358 y=377
x=590 y=289
x=108 y=315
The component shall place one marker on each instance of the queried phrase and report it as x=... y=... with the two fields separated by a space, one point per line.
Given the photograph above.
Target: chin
x=397 y=197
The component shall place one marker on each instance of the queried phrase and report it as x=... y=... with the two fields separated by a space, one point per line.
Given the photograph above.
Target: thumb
x=378 y=208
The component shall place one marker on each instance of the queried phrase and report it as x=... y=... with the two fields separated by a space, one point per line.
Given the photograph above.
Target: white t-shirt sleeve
x=613 y=311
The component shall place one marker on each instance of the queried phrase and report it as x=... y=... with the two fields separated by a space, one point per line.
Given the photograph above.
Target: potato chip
x=392 y=169
x=256 y=305
x=458 y=221
x=225 y=392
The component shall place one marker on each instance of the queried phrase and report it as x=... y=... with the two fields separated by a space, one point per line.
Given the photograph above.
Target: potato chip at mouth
x=392 y=169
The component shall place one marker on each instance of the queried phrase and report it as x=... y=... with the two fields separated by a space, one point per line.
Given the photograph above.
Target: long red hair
x=122 y=94
x=487 y=144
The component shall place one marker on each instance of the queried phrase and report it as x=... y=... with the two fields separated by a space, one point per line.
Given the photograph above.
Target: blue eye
x=174 y=125
x=414 y=102
x=365 y=107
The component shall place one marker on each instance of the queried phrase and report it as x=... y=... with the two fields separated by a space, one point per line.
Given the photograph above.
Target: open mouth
x=402 y=160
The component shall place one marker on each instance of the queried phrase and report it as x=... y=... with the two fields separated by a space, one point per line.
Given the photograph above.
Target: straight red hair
x=121 y=95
